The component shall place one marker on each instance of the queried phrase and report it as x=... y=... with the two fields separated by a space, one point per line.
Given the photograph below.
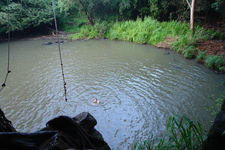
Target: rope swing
x=60 y=54
x=8 y=64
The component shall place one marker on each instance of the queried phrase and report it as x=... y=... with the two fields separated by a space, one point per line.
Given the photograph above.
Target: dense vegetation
x=30 y=13
x=25 y=14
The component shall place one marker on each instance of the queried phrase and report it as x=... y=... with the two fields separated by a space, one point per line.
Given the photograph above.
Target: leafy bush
x=214 y=62
x=72 y=25
x=201 y=57
x=217 y=35
x=222 y=69
x=182 y=134
x=189 y=52
x=91 y=32
x=26 y=15
x=217 y=103
x=84 y=33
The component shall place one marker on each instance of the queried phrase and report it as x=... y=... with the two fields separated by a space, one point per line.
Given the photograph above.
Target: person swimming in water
x=96 y=101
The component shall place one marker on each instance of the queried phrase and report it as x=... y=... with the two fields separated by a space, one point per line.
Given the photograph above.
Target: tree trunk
x=192 y=10
x=192 y=22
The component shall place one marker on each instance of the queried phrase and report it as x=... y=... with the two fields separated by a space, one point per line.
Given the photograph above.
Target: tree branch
x=86 y=13
x=188 y=3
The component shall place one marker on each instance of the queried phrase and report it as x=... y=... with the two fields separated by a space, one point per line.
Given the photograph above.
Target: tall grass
x=182 y=134
x=148 y=31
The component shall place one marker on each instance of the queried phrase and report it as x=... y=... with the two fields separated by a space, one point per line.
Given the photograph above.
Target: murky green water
x=138 y=86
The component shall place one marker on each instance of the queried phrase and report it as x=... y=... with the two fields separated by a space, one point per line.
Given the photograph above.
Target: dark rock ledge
x=60 y=133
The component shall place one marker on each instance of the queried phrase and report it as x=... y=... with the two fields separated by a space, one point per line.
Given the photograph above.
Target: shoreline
x=211 y=47
x=62 y=36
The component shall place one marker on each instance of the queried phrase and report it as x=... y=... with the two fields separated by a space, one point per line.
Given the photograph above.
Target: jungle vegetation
x=26 y=14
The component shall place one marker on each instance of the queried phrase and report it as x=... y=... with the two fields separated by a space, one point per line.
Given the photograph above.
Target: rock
x=216 y=136
x=47 y=43
x=60 y=41
x=60 y=133
x=5 y=124
x=218 y=72
x=97 y=38
x=86 y=121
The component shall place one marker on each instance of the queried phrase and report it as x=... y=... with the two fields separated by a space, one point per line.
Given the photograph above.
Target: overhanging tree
x=26 y=13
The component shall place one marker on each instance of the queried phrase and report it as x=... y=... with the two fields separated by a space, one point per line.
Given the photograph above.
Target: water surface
x=138 y=86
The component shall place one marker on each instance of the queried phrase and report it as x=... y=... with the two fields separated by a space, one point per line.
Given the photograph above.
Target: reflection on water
x=138 y=86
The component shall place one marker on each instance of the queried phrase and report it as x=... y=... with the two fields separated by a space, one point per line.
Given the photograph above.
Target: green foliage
x=217 y=5
x=190 y=39
x=83 y=34
x=114 y=10
x=185 y=134
x=28 y=13
x=214 y=62
x=217 y=103
x=217 y=35
x=189 y=52
x=182 y=134
x=222 y=68
x=90 y=32
x=152 y=144
x=148 y=31
x=201 y=57
x=73 y=25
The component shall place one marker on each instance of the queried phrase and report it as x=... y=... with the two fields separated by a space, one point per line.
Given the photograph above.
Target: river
x=139 y=87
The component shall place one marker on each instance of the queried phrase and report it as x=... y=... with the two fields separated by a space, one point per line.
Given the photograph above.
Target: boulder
x=60 y=133
x=216 y=135
x=47 y=43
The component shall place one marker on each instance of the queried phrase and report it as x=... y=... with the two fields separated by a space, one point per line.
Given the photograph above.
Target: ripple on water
x=138 y=87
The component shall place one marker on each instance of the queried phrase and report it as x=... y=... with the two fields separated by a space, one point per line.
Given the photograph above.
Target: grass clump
x=214 y=62
x=211 y=61
x=189 y=52
x=148 y=31
x=201 y=57
x=182 y=134
x=185 y=134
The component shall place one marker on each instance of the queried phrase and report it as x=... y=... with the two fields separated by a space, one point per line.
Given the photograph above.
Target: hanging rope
x=60 y=54
x=9 y=30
